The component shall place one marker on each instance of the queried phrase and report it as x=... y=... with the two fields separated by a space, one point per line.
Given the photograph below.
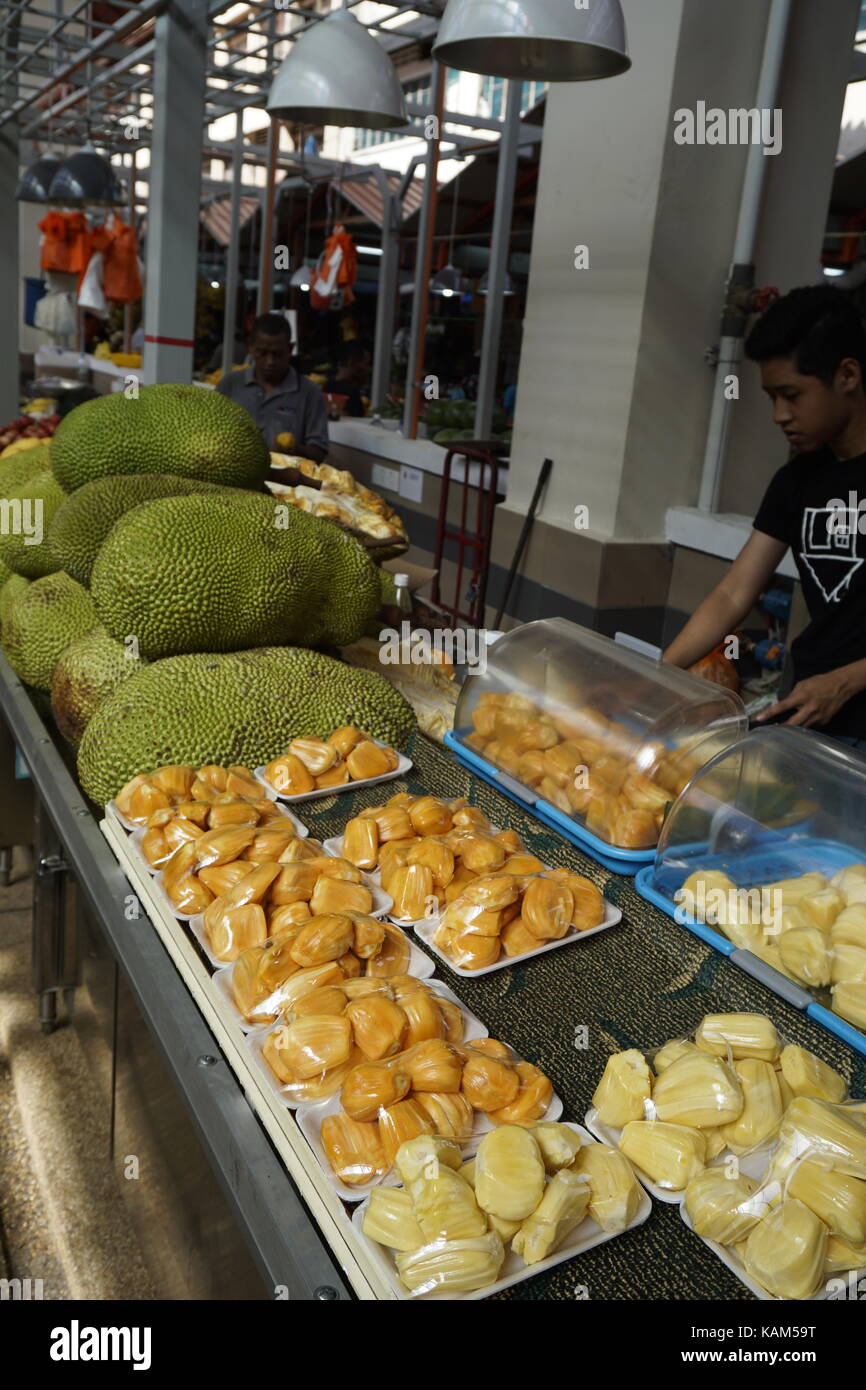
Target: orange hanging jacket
x=338 y=270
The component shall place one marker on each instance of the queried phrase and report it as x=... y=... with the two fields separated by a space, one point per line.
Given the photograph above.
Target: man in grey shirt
x=288 y=408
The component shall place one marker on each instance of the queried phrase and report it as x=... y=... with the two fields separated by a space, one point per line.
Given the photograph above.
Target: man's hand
x=818 y=699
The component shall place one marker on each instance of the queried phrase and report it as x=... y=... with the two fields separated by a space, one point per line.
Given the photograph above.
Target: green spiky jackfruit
x=50 y=614
x=241 y=707
x=82 y=522
x=17 y=468
x=89 y=670
x=183 y=430
x=12 y=589
x=229 y=572
x=26 y=512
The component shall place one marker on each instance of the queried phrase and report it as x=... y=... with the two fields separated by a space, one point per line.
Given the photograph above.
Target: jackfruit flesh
x=698 y=1090
x=721 y=1208
x=614 y=1194
x=509 y=1173
x=624 y=1089
x=390 y=1220
x=785 y=1252
x=561 y=1209
x=452 y=1266
x=669 y=1154
x=740 y=1035
x=833 y=1134
x=807 y=1075
x=762 y=1108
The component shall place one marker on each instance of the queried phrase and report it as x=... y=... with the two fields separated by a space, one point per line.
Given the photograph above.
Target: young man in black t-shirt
x=811 y=347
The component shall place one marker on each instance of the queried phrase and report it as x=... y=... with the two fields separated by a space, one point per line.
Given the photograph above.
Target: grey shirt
x=296 y=407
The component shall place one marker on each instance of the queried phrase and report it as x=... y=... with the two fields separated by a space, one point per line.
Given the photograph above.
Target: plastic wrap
x=168 y=786
x=312 y=767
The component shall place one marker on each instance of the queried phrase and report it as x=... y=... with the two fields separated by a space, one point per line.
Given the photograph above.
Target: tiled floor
x=61 y=1217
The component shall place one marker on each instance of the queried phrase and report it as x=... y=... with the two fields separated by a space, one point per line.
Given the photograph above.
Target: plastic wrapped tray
x=404 y=765
x=426 y=930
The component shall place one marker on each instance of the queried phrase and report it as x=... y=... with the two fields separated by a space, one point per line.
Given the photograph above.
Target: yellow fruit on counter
x=509 y=1173
x=615 y=1195
x=698 y=1090
x=390 y=1220
x=849 y=1001
x=452 y=1266
x=561 y=1209
x=762 y=1109
x=559 y=1144
x=745 y=1035
x=670 y=1154
x=807 y=1075
x=721 y=1208
x=785 y=1252
x=836 y=1199
x=624 y=1089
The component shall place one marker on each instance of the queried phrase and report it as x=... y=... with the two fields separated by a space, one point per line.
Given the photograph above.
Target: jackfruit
x=744 y=1035
x=13 y=587
x=50 y=614
x=559 y=1144
x=89 y=670
x=168 y=428
x=805 y=955
x=445 y=1206
x=670 y=1154
x=509 y=1173
x=785 y=1251
x=721 y=1208
x=425 y=1154
x=84 y=518
x=16 y=469
x=231 y=708
x=28 y=510
x=807 y=1075
x=698 y=1090
x=762 y=1108
x=614 y=1194
x=625 y=1086
x=452 y=1266
x=230 y=571
x=830 y=1134
x=849 y=1001
x=390 y=1220
x=836 y=1199
x=561 y=1209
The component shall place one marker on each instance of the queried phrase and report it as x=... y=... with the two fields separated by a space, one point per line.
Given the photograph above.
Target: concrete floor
x=62 y=1220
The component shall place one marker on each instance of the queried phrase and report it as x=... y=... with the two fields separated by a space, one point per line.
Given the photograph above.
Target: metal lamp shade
x=448 y=282
x=536 y=40
x=484 y=284
x=86 y=177
x=337 y=74
x=302 y=278
x=34 y=182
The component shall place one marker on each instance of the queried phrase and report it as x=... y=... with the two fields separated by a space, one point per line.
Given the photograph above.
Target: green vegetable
x=41 y=623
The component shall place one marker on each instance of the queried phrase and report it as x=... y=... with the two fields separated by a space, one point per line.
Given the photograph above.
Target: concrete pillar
x=10 y=312
x=175 y=182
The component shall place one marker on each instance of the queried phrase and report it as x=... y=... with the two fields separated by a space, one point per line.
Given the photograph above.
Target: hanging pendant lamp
x=337 y=74
x=534 y=40
x=35 y=182
x=484 y=284
x=449 y=280
x=86 y=178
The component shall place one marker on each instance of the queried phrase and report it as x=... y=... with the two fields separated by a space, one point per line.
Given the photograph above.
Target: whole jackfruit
x=89 y=670
x=165 y=429
x=50 y=614
x=20 y=467
x=84 y=518
x=224 y=573
x=27 y=513
x=230 y=709
x=10 y=593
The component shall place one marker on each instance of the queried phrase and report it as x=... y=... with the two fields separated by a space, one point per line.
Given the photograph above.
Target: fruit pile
x=341 y=498
x=13 y=436
x=811 y=928
x=450 y=1222
x=435 y=1086
x=581 y=763
x=734 y=1090
x=312 y=764
x=514 y=914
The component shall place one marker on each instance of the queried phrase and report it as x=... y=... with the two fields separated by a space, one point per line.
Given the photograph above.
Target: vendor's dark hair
x=817 y=326
x=273 y=326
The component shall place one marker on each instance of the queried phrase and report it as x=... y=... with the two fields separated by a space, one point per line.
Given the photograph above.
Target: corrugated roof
x=365 y=195
x=216 y=216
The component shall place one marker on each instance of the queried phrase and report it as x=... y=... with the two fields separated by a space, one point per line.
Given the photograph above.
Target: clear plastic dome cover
x=600 y=732
x=767 y=845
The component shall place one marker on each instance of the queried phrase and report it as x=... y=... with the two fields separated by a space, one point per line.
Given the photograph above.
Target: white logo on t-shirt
x=828 y=550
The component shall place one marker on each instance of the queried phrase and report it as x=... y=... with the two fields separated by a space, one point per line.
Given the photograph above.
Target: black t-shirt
x=812 y=505
x=354 y=405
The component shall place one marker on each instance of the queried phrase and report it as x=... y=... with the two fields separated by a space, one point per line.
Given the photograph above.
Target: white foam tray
x=584 y=1237
x=427 y=930
x=301 y=833
x=255 y=1041
x=420 y=965
x=404 y=765
x=111 y=809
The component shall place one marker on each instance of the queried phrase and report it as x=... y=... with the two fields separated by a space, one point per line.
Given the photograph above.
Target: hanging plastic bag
x=91 y=295
x=122 y=278
x=55 y=250
x=337 y=272
x=55 y=316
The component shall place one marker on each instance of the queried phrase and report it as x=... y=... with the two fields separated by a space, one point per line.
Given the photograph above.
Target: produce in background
x=310 y=764
x=25 y=433
x=85 y=517
x=31 y=505
x=41 y=623
x=581 y=764
x=447 y=1225
x=812 y=929
x=200 y=574
x=432 y=1086
x=235 y=708
x=12 y=589
x=89 y=670
x=171 y=428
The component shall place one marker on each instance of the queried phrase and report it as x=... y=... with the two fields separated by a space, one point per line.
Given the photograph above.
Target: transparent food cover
x=603 y=734
x=767 y=845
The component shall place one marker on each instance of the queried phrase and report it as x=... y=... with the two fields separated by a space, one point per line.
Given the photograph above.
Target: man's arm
x=315 y=443
x=732 y=599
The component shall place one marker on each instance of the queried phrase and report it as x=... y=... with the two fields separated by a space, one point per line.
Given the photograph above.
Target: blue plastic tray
x=619 y=861
x=788 y=859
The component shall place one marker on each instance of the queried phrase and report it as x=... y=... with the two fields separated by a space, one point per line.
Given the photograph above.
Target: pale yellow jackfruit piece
x=706 y=895
x=842 y=1256
x=390 y=1220
x=452 y=1266
x=741 y=1035
x=807 y=1075
x=852 y=876
x=445 y=1206
x=822 y=908
x=625 y=1086
x=561 y=1209
x=721 y=1208
x=785 y=1252
x=670 y=1155
x=806 y=955
x=698 y=1090
x=504 y=1229
x=614 y=1193
x=792 y=890
x=426 y=1153
x=558 y=1143
x=671 y=1052
x=715 y=1143
x=849 y=928
x=762 y=1111
x=509 y=1173
x=848 y=964
x=836 y=1199
x=849 y=1001
x=467 y=1172
x=834 y=1134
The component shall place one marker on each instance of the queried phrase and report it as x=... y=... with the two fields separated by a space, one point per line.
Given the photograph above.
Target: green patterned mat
x=636 y=985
